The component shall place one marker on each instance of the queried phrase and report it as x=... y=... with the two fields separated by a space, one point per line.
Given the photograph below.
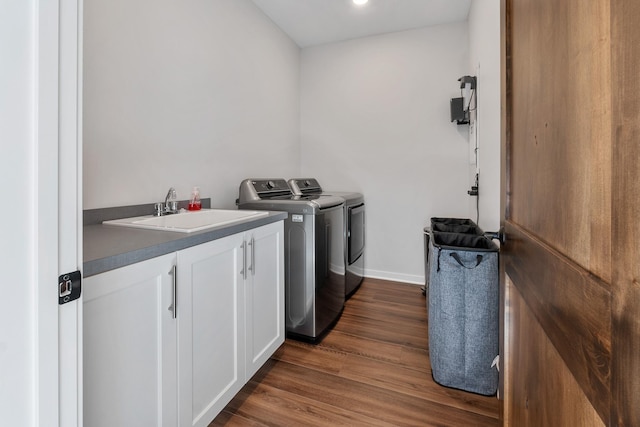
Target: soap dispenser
x=194 y=202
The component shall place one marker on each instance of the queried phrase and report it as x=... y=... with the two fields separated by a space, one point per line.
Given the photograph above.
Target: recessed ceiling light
x=360 y=2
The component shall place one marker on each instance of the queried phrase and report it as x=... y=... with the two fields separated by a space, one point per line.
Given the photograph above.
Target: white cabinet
x=210 y=328
x=129 y=339
x=230 y=317
x=264 y=308
x=165 y=352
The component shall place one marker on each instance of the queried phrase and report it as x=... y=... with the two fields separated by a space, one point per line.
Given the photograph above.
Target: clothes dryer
x=354 y=232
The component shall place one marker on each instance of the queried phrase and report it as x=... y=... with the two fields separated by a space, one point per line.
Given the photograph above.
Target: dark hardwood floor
x=372 y=369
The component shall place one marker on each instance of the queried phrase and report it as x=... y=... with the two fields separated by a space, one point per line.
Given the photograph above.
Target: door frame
x=70 y=207
x=57 y=209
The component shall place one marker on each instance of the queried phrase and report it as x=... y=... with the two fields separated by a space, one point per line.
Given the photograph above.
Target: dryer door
x=355 y=232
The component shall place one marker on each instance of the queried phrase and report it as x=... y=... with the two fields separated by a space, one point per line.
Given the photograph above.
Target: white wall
x=484 y=44
x=185 y=93
x=375 y=119
x=213 y=93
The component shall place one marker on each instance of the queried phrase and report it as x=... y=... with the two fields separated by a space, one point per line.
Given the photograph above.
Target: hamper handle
x=455 y=256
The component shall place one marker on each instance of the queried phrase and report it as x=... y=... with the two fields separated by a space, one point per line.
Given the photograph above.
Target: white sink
x=188 y=222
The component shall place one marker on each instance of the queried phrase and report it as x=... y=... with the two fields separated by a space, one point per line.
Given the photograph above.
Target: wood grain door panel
x=571 y=305
x=571 y=187
x=543 y=392
x=561 y=127
x=625 y=385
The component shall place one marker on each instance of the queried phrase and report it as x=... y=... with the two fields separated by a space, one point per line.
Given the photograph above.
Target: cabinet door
x=130 y=346
x=265 y=294
x=210 y=328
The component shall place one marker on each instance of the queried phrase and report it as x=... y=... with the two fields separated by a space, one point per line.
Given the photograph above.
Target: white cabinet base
x=264 y=295
x=165 y=354
x=210 y=328
x=129 y=345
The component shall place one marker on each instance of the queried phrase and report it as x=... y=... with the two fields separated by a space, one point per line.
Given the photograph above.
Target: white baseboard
x=396 y=277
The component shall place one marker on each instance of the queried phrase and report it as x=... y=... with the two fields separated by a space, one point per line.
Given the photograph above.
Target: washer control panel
x=305 y=186
x=270 y=185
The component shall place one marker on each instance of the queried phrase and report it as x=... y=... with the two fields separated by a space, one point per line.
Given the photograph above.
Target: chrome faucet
x=170 y=205
x=170 y=202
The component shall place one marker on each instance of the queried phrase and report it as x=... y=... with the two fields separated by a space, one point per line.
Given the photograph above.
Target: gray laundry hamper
x=463 y=306
x=450 y=225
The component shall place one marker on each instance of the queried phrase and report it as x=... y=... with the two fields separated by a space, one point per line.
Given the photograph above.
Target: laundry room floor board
x=371 y=369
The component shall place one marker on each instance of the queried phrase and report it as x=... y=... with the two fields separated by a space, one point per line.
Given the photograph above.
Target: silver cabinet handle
x=173 y=308
x=243 y=270
x=252 y=268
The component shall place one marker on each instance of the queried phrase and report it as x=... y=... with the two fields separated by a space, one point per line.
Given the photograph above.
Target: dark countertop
x=110 y=247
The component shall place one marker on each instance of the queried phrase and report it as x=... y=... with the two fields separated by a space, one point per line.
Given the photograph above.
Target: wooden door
x=571 y=138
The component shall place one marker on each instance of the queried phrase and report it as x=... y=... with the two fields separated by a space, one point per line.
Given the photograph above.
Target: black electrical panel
x=458 y=113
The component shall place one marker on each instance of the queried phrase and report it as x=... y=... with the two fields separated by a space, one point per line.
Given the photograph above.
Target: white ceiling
x=314 y=22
